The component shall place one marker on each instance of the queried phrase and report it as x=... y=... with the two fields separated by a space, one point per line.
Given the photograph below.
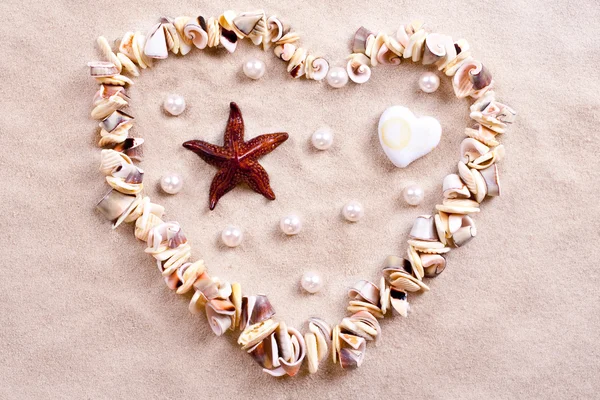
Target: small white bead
x=322 y=139
x=232 y=236
x=337 y=77
x=174 y=104
x=429 y=82
x=353 y=211
x=413 y=194
x=254 y=68
x=171 y=183
x=311 y=282
x=290 y=225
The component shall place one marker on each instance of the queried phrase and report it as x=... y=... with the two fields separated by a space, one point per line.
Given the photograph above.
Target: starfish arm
x=234 y=133
x=223 y=182
x=210 y=153
x=263 y=145
x=257 y=178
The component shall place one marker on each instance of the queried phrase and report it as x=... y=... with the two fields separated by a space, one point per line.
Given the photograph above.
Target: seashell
x=123 y=186
x=107 y=91
x=406 y=138
x=362 y=324
x=284 y=343
x=126 y=45
x=454 y=188
x=167 y=235
x=415 y=46
x=384 y=298
x=471 y=79
x=386 y=56
x=119 y=80
x=213 y=30
x=256 y=333
x=254 y=310
x=311 y=352
x=190 y=275
x=486 y=160
x=285 y=51
x=424 y=229
x=220 y=315
x=480 y=184
x=106 y=107
x=463 y=54
x=316 y=68
x=118 y=120
x=406 y=31
x=226 y=19
x=399 y=273
x=128 y=65
x=394 y=46
x=168 y=259
x=433 y=264
x=351 y=350
x=171 y=35
x=471 y=149
x=465 y=174
x=415 y=261
x=114 y=204
x=129 y=173
x=492 y=180
x=437 y=47
x=131 y=147
x=228 y=40
x=111 y=159
x=296 y=65
x=359 y=42
x=100 y=69
x=365 y=291
x=236 y=299
x=399 y=301
x=195 y=31
x=156 y=43
x=290 y=37
x=374 y=46
x=357 y=305
x=250 y=22
x=483 y=134
x=264 y=352
x=358 y=69
x=462 y=229
x=106 y=50
x=428 y=247
x=441 y=225
x=458 y=206
x=492 y=114
x=185 y=43
x=292 y=365
x=137 y=46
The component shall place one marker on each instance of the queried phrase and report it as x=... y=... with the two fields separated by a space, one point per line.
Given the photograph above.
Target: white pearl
x=337 y=77
x=290 y=225
x=232 y=236
x=254 y=68
x=429 y=82
x=311 y=282
x=174 y=104
x=171 y=183
x=322 y=139
x=413 y=194
x=353 y=211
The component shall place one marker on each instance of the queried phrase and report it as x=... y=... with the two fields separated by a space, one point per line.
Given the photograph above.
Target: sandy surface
x=85 y=314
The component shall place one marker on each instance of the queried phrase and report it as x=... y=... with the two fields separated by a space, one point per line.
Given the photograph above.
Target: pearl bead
x=254 y=68
x=290 y=225
x=232 y=236
x=429 y=82
x=413 y=195
x=322 y=139
x=353 y=211
x=337 y=77
x=171 y=183
x=311 y=282
x=174 y=104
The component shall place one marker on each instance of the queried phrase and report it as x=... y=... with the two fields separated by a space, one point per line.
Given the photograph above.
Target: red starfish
x=237 y=160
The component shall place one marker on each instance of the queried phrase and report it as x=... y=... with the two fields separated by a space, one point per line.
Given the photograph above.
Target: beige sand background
x=85 y=314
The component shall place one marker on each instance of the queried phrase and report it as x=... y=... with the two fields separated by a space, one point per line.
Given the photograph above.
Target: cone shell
x=114 y=204
x=424 y=229
x=365 y=291
x=255 y=309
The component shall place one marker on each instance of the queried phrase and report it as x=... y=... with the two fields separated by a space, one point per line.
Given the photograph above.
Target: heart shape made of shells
x=280 y=349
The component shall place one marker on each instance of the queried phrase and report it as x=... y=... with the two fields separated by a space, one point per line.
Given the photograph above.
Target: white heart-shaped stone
x=405 y=138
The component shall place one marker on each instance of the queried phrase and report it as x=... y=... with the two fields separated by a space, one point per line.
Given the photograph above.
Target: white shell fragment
x=406 y=138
